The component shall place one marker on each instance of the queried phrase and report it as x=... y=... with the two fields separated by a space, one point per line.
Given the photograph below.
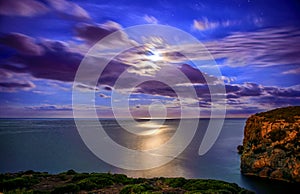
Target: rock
x=271 y=145
x=240 y=149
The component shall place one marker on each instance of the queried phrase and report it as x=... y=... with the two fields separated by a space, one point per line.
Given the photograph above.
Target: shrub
x=138 y=188
x=71 y=172
x=204 y=185
x=19 y=182
x=69 y=188
x=78 y=177
x=121 y=178
x=87 y=184
x=175 y=182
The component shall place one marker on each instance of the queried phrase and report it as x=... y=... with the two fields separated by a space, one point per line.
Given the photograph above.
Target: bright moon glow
x=154 y=56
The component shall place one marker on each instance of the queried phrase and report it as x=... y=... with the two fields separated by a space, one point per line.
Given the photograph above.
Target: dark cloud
x=156 y=88
x=111 y=73
x=22 y=43
x=103 y=95
x=16 y=85
x=56 y=62
x=250 y=89
x=92 y=33
x=51 y=60
x=196 y=76
x=255 y=90
x=288 y=92
x=232 y=88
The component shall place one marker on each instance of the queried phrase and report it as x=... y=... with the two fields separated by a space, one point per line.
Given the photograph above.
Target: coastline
x=73 y=182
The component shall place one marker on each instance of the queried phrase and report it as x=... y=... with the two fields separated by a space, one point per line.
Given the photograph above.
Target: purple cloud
x=30 y=8
x=26 y=8
x=51 y=60
x=92 y=33
x=56 y=62
x=12 y=86
x=250 y=89
x=196 y=76
x=156 y=88
x=22 y=43
x=264 y=48
x=279 y=46
x=68 y=9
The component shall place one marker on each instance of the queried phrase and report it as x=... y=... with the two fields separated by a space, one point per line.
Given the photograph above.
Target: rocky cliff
x=271 y=145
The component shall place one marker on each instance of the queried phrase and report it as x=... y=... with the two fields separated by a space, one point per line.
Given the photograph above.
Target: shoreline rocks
x=271 y=145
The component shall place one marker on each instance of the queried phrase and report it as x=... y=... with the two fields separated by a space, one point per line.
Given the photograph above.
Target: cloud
x=69 y=9
x=13 y=86
x=50 y=59
x=48 y=107
x=249 y=98
x=264 y=48
x=103 y=95
x=56 y=62
x=256 y=90
x=92 y=33
x=26 y=8
x=85 y=88
x=292 y=71
x=22 y=43
x=30 y=8
x=204 y=24
x=12 y=82
x=150 y=19
x=270 y=102
x=267 y=47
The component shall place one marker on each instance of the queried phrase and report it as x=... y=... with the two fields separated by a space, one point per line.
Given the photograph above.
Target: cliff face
x=271 y=145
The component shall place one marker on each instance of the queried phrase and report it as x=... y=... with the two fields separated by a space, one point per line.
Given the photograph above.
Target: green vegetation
x=31 y=182
x=288 y=114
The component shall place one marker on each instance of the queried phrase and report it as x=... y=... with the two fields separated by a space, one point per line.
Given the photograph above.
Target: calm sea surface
x=54 y=145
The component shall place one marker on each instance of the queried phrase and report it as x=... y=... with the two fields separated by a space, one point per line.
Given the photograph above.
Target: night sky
x=256 y=45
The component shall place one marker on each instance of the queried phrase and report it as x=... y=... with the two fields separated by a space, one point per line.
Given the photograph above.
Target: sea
x=55 y=145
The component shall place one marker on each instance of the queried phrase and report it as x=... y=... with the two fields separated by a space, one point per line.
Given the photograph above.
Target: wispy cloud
x=69 y=9
x=31 y=8
x=12 y=82
x=47 y=107
x=267 y=47
x=204 y=24
x=27 y=8
x=150 y=19
x=263 y=48
x=292 y=71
